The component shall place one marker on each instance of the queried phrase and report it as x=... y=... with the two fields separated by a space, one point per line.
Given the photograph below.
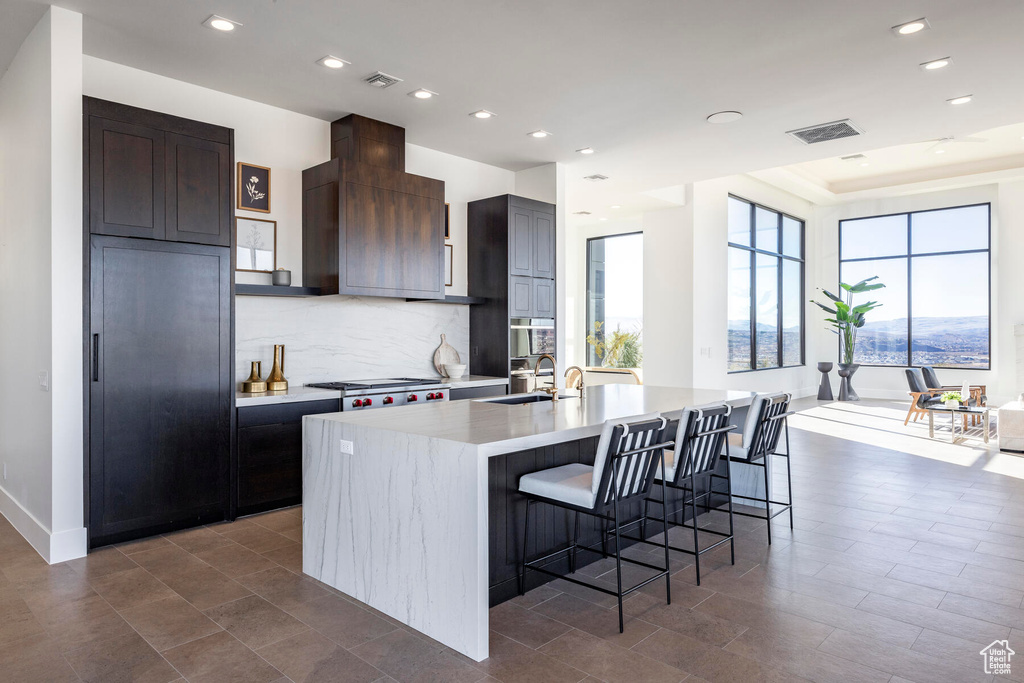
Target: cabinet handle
x=95 y=358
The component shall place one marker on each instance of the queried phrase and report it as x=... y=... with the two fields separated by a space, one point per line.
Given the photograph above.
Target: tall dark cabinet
x=511 y=258
x=159 y=324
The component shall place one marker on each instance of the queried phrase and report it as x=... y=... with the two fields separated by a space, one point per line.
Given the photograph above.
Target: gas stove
x=367 y=394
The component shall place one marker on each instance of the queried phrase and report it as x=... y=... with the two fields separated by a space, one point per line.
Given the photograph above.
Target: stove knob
x=439 y=395
x=413 y=397
x=358 y=403
x=388 y=400
x=431 y=396
x=367 y=402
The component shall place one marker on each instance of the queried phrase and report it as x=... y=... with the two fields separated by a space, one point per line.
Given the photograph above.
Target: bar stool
x=628 y=454
x=700 y=438
x=766 y=423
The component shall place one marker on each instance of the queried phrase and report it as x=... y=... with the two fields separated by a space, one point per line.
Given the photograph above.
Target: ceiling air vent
x=596 y=177
x=823 y=132
x=580 y=213
x=853 y=157
x=381 y=80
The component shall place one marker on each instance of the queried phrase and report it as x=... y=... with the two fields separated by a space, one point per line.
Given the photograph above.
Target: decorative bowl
x=454 y=371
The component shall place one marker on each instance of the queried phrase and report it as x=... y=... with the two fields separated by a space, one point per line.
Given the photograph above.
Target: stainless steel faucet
x=578 y=383
x=553 y=389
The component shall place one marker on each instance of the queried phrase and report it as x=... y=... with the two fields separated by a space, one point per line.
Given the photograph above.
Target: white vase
x=952 y=404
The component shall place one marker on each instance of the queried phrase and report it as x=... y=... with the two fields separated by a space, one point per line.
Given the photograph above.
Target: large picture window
x=615 y=300
x=936 y=300
x=766 y=288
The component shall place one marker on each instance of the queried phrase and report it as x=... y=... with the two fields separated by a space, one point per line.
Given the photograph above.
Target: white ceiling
x=634 y=80
x=987 y=151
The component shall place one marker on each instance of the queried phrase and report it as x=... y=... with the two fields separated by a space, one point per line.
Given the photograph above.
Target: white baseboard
x=54 y=548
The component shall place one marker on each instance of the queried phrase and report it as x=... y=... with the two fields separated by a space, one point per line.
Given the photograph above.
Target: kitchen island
x=407 y=509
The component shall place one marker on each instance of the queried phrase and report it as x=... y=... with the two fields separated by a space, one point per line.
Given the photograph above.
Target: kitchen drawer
x=270 y=453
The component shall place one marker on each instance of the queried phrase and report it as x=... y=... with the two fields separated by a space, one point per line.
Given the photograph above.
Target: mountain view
x=945 y=342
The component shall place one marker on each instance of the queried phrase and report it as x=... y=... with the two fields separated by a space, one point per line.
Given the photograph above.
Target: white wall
x=1007 y=308
x=669 y=296
x=41 y=287
x=336 y=337
x=25 y=273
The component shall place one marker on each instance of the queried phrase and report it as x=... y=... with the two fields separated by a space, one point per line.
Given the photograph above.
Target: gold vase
x=255 y=384
x=276 y=380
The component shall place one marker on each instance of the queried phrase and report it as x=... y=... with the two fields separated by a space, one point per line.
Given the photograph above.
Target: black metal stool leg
x=789 y=478
x=732 y=533
x=767 y=505
x=526 y=536
x=618 y=558
x=575 y=541
x=693 y=508
x=664 y=522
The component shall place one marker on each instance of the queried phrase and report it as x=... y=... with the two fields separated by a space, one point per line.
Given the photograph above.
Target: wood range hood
x=368 y=227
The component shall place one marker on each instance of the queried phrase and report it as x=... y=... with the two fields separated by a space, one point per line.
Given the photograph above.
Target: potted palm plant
x=846 y=320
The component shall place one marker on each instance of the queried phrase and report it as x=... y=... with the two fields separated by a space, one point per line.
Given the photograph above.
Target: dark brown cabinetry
x=368 y=227
x=157 y=176
x=270 y=454
x=159 y=349
x=160 y=353
x=511 y=257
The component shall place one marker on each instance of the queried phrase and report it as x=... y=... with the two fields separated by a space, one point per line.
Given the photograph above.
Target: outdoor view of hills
x=944 y=342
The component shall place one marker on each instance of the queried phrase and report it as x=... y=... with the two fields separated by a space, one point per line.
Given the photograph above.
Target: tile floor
x=906 y=559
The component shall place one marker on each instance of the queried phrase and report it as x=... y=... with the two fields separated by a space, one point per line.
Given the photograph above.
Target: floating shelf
x=274 y=290
x=468 y=300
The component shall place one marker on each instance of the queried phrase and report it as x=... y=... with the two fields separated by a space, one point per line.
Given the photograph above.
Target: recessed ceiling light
x=911 y=27
x=539 y=134
x=937 y=64
x=220 y=23
x=602 y=219
x=482 y=114
x=422 y=94
x=332 y=62
x=586 y=150
x=616 y=206
x=725 y=117
x=864 y=163
x=940 y=151
x=963 y=99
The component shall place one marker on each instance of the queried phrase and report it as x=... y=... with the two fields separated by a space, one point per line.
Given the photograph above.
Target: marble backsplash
x=344 y=337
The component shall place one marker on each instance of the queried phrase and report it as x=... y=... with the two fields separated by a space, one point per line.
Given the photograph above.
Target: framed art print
x=447 y=221
x=448 y=265
x=255 y=244
x=253 y=187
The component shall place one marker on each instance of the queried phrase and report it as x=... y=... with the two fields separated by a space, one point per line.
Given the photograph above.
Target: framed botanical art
x=255 y=245
x=447 y=221
x=447 y=265
x=253 y=187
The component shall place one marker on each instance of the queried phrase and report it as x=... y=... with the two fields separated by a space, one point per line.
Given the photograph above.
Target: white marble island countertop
x=395 y=502
x=497 y=428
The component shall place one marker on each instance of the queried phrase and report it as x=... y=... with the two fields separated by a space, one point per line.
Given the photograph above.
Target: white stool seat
x=736 y=447
x=572 y=484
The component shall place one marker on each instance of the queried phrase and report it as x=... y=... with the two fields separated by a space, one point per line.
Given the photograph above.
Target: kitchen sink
x=523 y=399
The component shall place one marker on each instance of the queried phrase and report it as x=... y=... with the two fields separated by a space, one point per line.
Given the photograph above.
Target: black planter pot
x=846 y=392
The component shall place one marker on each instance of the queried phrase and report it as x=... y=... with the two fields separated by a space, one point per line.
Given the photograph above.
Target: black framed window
x=615 y=300
x=766 y=288
x=936 y=304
